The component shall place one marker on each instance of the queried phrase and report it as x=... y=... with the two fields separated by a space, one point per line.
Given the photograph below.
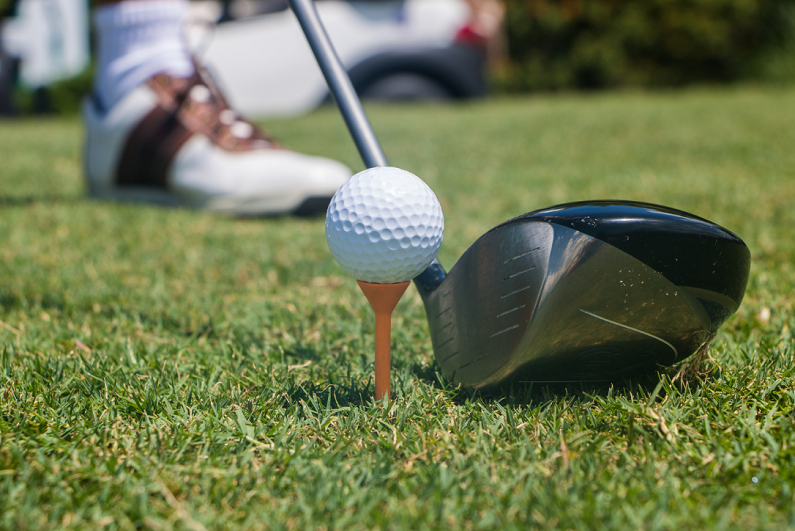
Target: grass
x=169 y=369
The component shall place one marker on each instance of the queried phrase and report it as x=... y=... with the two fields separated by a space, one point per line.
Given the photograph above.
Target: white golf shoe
x=175 y=141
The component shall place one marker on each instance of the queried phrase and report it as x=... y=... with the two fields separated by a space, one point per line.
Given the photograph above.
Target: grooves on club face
x=583 y=291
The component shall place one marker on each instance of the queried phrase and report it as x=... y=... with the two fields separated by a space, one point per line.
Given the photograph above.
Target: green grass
x=168 y=369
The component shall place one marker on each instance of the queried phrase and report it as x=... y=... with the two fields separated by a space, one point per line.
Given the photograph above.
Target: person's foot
x=176 y=141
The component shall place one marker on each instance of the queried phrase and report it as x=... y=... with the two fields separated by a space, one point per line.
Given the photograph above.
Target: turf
x=168 y=369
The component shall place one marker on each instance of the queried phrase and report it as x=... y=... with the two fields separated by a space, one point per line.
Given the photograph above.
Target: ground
x=173 y=369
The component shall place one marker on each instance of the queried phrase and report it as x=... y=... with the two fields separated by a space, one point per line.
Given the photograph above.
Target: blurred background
x=420 y=49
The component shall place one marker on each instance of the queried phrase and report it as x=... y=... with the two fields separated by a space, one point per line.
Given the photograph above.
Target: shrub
x=588 y=44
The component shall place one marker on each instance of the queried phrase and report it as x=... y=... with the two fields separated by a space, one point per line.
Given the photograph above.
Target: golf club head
x=590 y=291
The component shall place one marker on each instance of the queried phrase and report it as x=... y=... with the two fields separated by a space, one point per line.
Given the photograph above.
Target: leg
x=159 y=130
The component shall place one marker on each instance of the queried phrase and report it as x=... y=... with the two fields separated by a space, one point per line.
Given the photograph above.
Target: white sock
x=136 y=40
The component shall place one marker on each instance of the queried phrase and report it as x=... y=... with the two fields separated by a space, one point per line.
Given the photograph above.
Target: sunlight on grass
x=171 y=369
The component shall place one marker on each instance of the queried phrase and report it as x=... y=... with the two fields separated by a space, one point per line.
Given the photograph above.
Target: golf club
x=590 y=291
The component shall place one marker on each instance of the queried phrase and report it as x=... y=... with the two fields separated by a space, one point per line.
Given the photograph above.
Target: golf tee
x=383 y=298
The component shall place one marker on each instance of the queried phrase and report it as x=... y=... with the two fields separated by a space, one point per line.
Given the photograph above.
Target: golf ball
x=384 y=225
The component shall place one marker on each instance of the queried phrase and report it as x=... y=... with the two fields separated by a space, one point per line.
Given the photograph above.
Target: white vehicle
x=393 y=49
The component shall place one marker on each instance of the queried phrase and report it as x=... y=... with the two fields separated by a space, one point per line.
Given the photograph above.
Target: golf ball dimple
x=384 y=225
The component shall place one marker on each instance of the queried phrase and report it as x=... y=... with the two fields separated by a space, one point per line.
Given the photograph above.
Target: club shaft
x=339 y=84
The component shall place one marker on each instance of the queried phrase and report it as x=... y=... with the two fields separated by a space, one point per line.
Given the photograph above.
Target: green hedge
x=590 y=44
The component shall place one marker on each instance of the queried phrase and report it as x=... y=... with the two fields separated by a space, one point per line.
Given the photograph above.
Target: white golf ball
x=384 y=225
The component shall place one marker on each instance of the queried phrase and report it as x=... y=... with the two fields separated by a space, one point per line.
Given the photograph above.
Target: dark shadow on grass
x=312 y=208
x=513 y=394
x=527 y=393
x=27 y=200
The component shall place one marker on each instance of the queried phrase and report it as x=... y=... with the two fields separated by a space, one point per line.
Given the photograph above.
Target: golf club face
x=583 y=291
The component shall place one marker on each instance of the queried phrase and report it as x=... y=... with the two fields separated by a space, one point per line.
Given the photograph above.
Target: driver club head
x=590 y=291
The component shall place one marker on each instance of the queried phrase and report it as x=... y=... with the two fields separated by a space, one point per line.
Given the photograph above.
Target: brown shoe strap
x=185 y=107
